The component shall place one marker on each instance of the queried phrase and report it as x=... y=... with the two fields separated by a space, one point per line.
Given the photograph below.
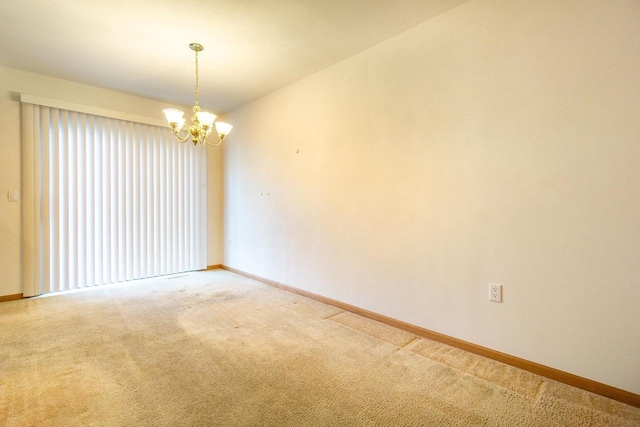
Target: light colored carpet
x=217 y=349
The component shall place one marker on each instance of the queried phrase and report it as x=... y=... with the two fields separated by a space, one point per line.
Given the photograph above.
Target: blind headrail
x=96 y=111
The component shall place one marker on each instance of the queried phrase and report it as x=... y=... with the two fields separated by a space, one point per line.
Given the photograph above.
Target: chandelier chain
x=197 y=79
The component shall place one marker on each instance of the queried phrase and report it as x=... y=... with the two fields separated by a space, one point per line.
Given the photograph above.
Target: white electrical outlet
x=495 y=292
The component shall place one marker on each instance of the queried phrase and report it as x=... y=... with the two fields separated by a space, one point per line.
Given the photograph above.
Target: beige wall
x=499 y=142
x=215 y=249
x=14 y=82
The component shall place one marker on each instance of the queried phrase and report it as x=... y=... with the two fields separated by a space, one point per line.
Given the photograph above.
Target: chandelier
x=202 y=123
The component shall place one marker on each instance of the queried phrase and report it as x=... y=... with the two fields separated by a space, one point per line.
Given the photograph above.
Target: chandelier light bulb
x=206 y=119
x=172 y=115
x=223 y=128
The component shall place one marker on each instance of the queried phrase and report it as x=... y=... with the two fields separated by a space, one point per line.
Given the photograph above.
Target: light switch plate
x=13 y=195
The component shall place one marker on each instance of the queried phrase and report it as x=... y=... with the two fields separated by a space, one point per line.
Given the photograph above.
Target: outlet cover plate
x=495 y=292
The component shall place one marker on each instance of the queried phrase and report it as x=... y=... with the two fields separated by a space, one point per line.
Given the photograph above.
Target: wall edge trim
x=533 y=367
x=13 y=297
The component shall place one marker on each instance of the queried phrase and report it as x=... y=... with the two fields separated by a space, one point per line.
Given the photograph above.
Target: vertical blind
x=113 y=200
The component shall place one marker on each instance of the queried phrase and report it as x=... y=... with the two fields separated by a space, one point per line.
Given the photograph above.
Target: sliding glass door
x=111 y=200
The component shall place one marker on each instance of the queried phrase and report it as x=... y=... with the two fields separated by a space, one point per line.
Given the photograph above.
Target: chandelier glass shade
x=202 y=122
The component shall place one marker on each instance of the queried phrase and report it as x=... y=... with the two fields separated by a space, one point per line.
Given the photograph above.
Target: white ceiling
x=252 y=47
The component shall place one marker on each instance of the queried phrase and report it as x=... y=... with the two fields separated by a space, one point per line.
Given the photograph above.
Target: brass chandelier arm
x=182 y=140
x=214 y=145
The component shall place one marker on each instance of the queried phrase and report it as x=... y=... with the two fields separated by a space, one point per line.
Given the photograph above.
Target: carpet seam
x=333 y=315
x=540 y=391
x=533 y=399
x=411 y=341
